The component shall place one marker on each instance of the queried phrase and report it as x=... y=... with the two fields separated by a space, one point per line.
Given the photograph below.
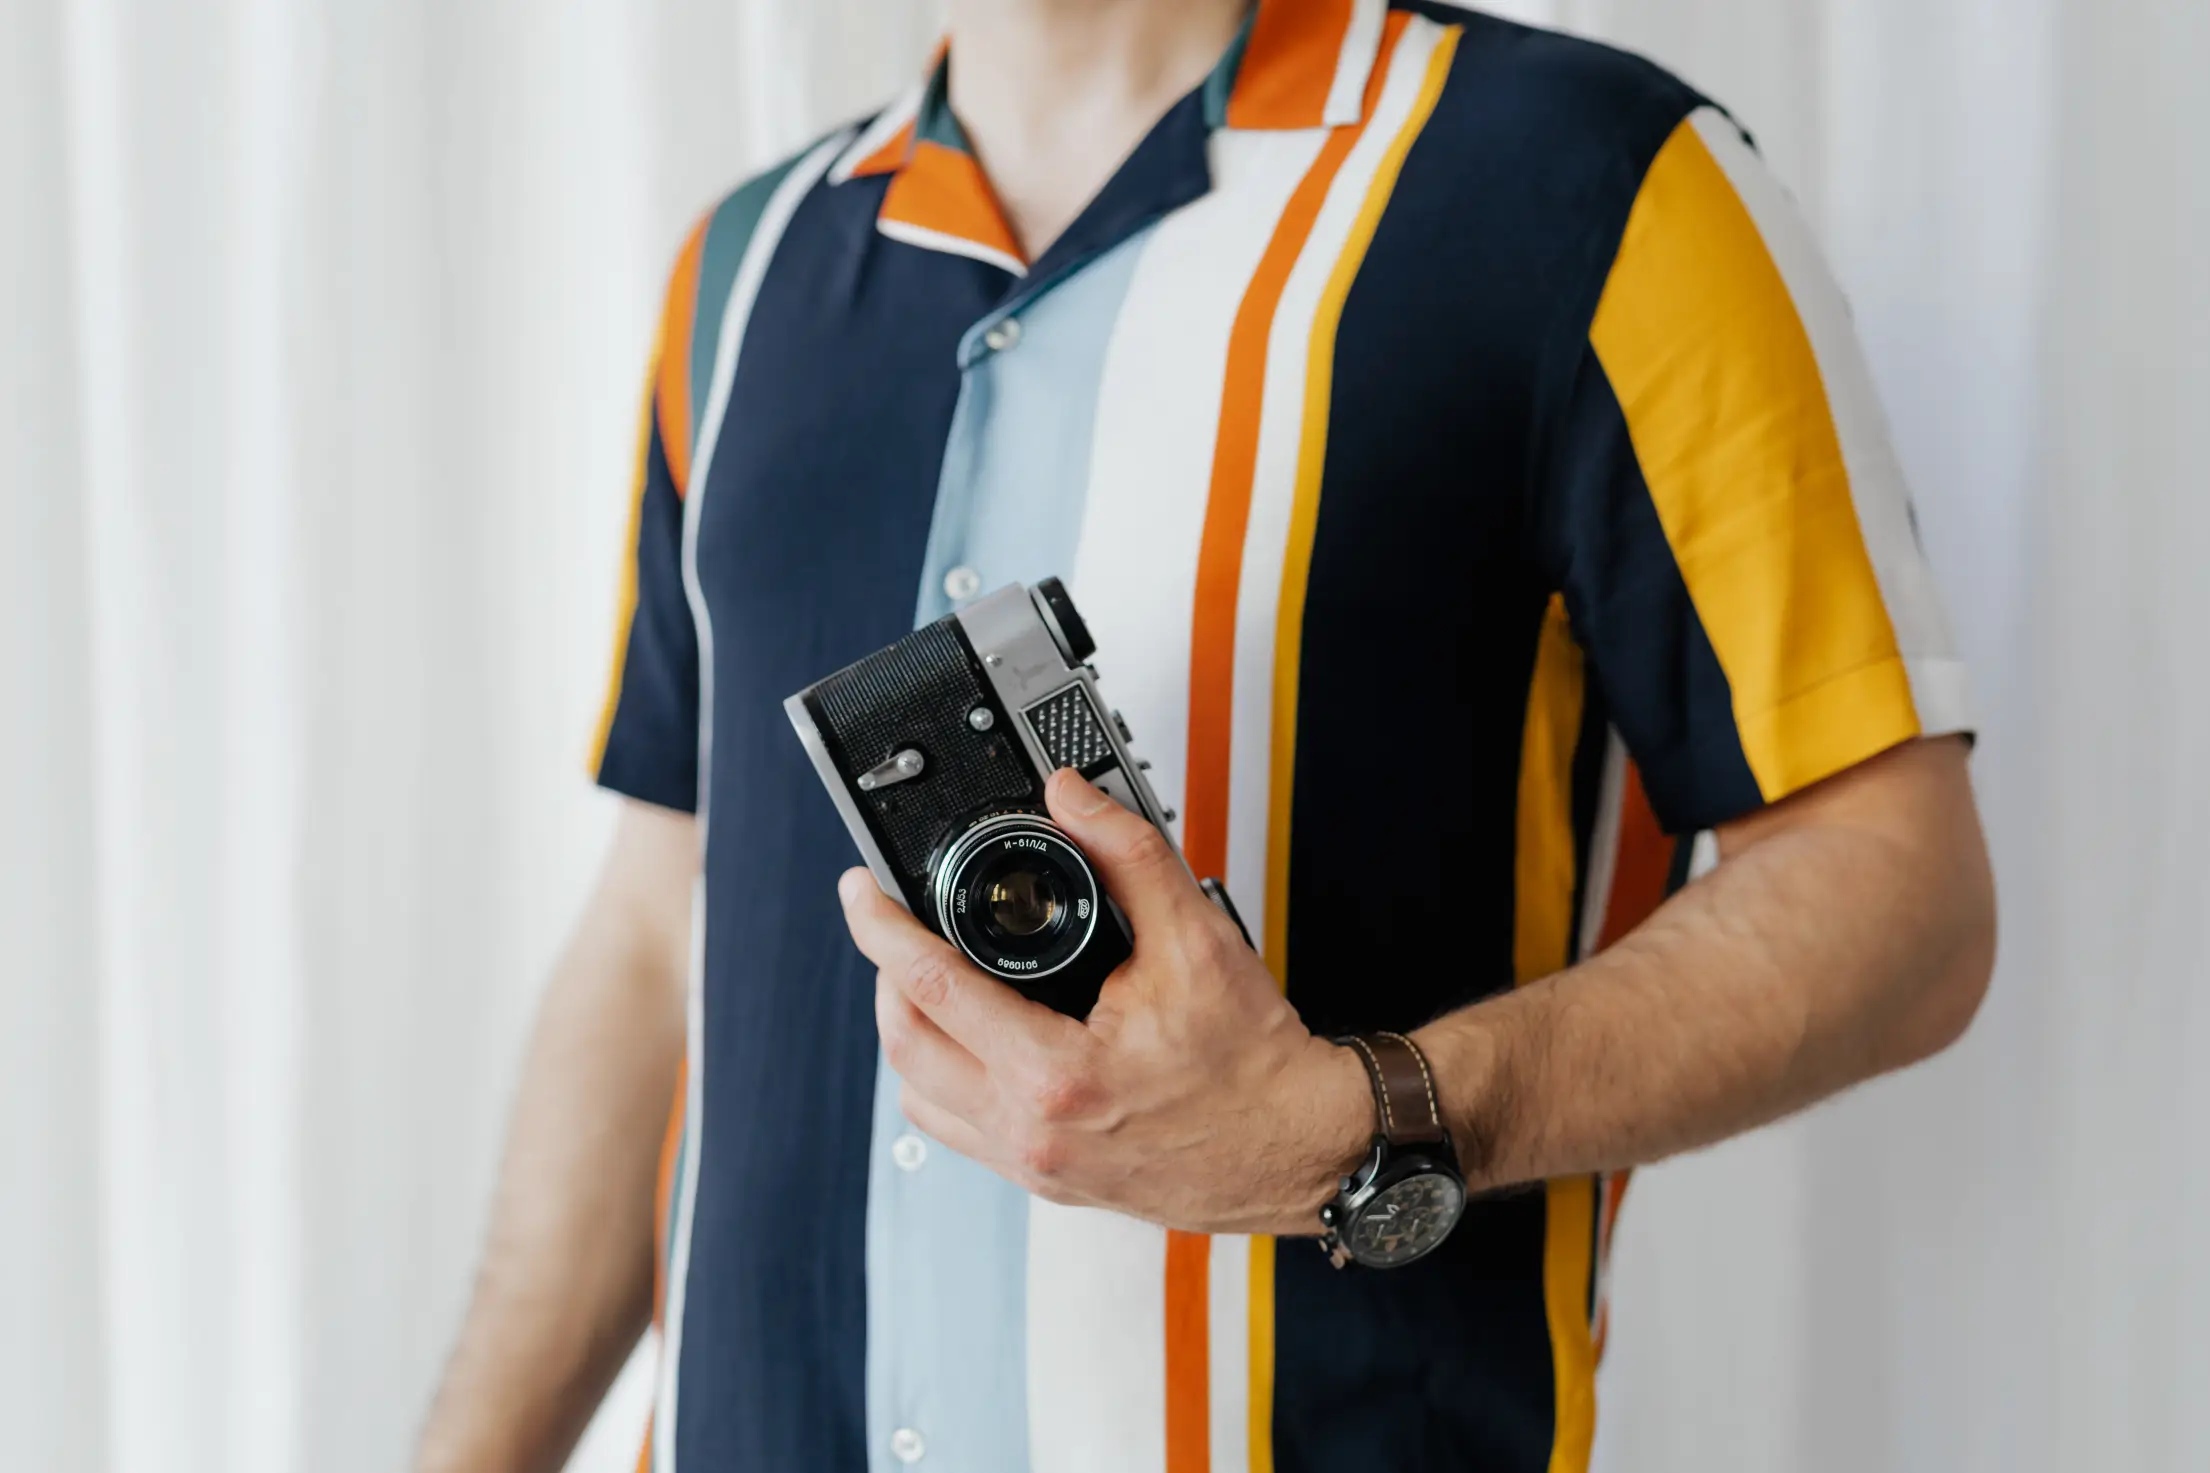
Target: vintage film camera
x=935 y=752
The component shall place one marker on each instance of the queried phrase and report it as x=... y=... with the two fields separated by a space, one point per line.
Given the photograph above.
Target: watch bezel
x=1388 y=1166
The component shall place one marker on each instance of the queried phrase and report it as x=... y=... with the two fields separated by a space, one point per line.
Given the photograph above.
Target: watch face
x=1405 y=1220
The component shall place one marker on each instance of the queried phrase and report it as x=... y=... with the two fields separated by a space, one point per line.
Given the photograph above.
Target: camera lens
x=1023 y=902
x=1015 y=895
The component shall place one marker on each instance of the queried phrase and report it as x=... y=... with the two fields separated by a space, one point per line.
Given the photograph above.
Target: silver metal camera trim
x=1026 y=664
x=809 y=735
x=968 y=846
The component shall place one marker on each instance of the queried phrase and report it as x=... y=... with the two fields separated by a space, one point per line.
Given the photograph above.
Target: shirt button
x=909 y=1151
x=1002 y=335
x=961 y=584
x=906 y=1445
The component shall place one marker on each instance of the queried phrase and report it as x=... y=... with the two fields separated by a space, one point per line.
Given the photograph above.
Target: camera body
x=935 y=752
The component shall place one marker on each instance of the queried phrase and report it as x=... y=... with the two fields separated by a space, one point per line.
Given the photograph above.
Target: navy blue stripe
x=1648 y=650
x=810 y=543
x=652 y=746
x=1427 y=596
x=728 y=236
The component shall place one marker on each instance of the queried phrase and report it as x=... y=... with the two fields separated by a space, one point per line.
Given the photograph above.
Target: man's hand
x=1193 y=1096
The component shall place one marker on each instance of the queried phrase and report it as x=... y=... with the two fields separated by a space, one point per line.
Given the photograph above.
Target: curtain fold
x=320 y=329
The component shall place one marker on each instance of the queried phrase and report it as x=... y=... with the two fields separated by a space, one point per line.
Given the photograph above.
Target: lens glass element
x=1015 y=895
x=1024 y=901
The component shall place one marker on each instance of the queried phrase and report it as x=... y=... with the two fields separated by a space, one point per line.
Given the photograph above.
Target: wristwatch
x=1409 y=1193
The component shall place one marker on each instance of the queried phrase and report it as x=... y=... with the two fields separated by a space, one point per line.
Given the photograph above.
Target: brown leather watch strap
x=1404 y=1088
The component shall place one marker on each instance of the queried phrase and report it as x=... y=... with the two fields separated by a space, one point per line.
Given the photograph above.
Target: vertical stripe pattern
x=625 y=599
x=781 y=204
x=1727 y=406
x=1275 y=407
x=1542 y=945
x=1877 y=488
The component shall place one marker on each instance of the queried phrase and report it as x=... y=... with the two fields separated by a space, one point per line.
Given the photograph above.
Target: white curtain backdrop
x=320 y=334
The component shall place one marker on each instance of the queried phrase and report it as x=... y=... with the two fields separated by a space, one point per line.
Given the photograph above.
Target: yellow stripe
x=1544 y=865
x=1304 y=516
x=1542 y=940
x=1288 y=650
x=1728 y=412
x=1261 y=1404
x=625 y=606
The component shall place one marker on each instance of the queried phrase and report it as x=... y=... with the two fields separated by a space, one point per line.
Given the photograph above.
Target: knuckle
x=1063 y=1094
x=1041 y=1154
x=930 y=978
x=1145 y=847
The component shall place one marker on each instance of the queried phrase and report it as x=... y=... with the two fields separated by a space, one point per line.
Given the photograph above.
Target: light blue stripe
x=947 y=1243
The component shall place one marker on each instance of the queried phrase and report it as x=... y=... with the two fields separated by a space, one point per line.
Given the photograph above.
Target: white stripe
x=742 y=293
x=1603 y=844
x=1361 y=44
x=1096 y=1289
x=1228 y=1285
x=1096 y=1342
x=1942 y=692
x=957 y=245
x=1875 y=476
x=1274 y=478
x=903 y=109
x=1703 y=855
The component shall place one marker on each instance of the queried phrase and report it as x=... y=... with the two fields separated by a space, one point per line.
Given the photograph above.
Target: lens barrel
x=1016 y=896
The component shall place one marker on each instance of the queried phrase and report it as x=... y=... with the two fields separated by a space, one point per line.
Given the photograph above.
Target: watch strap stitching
x=1427 y=1077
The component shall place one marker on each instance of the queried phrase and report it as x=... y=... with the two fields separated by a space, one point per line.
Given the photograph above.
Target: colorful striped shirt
x=1465 y=463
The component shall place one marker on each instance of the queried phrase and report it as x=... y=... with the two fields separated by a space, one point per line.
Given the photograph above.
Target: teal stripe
x=1220 y=86
x=936 y=122
x=675 y=1190
x=728 y=235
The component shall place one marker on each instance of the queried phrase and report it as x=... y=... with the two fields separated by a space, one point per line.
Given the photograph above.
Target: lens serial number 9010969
x=1017 y=964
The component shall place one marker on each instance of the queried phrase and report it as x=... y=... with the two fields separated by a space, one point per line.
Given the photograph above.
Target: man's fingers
x=924 y=1056
x=986 y=1017
x=1141 y=868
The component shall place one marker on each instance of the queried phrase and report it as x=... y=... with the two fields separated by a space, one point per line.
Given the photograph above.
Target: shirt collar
x=1295 y=64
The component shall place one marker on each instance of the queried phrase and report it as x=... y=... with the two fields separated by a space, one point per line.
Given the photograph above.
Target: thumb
x=1136 y=862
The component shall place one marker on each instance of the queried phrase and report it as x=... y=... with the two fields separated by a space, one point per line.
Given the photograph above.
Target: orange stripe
x=889 y=156
x=1212 y=689
x=1188 y=1353
x=1641 y=864
x=675 y=358
x=943 y=190
x=663 y=1195
x=1228 y=512
x=1290 y=61
x=625 y=599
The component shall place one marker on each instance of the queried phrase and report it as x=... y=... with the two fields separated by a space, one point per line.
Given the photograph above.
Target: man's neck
x=1054 y=94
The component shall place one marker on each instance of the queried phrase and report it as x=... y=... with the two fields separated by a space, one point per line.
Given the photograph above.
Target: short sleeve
x=1723 y=508
x=647 y=740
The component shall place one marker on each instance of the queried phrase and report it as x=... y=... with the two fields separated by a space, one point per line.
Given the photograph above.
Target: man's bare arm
x=1848 y=931
x=566 y=1283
